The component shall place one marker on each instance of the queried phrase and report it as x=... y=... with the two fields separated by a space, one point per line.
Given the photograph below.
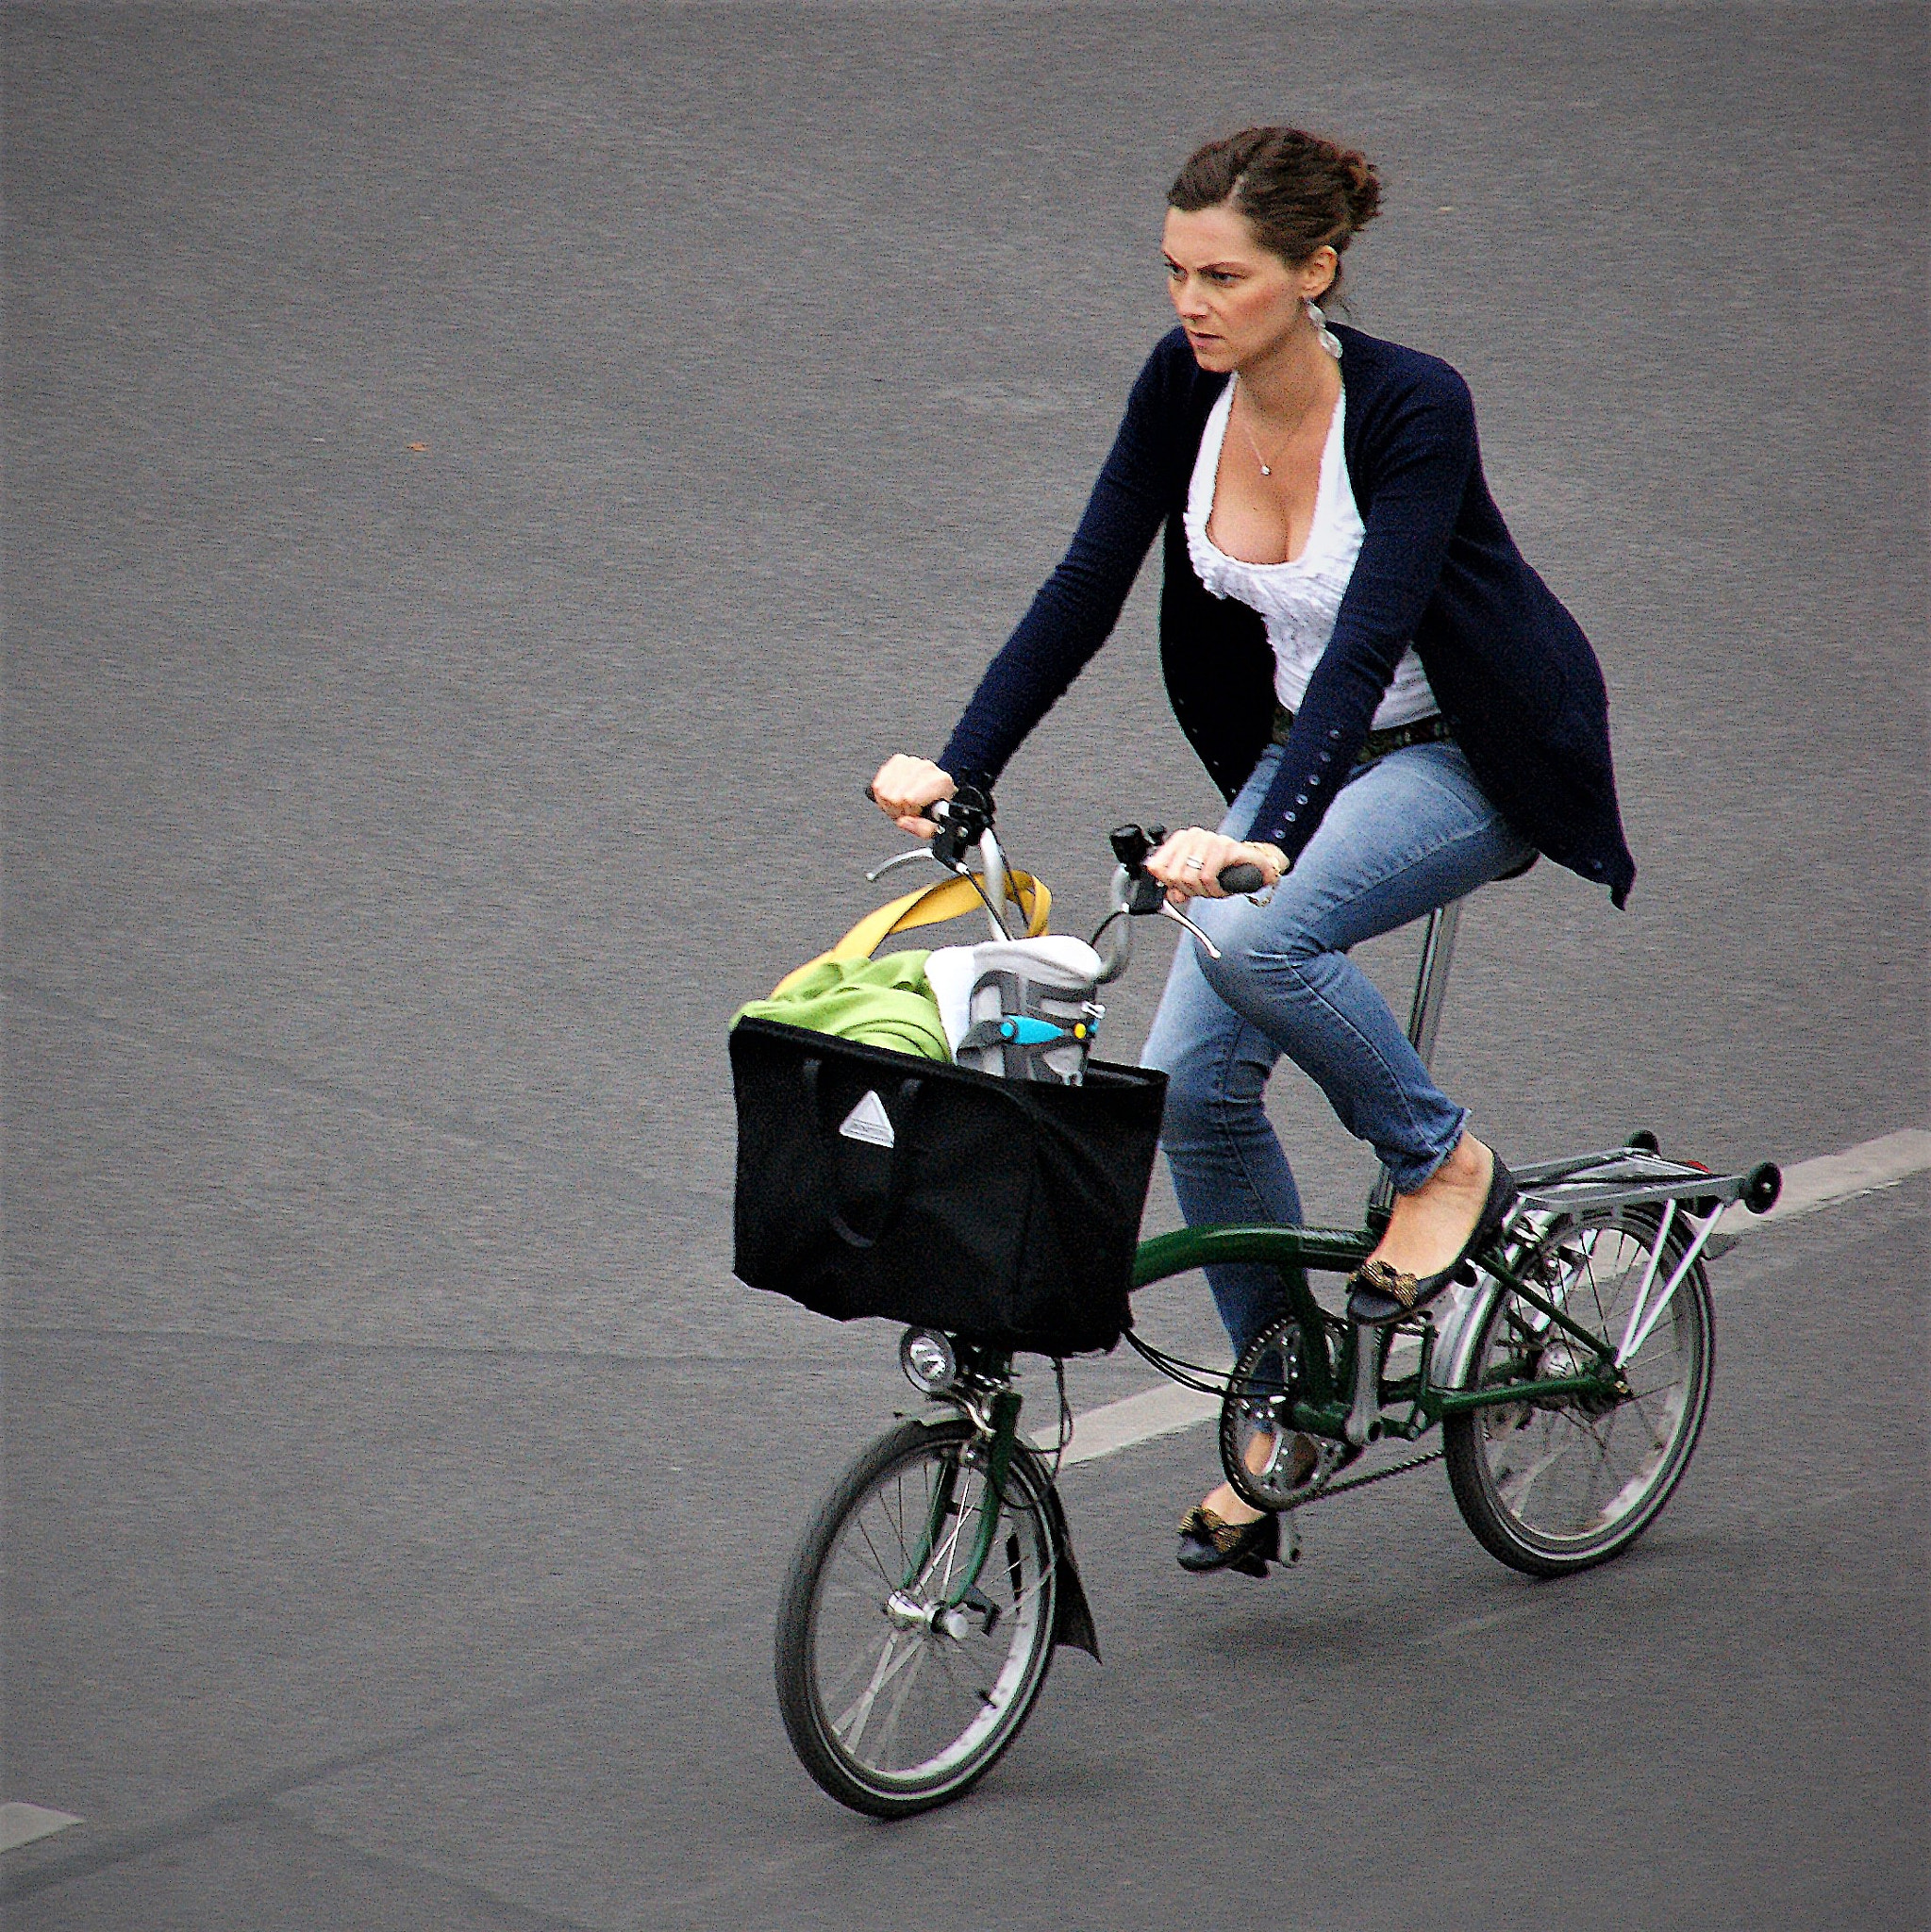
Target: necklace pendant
x=1265 y=471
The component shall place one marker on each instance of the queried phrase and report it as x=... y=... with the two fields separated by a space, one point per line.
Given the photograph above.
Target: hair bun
x=1360 y=186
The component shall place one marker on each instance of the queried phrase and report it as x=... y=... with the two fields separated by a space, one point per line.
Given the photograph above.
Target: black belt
x=1377 y=744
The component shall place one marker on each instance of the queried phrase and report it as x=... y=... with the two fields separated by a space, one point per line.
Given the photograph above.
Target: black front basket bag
x=876 y=1183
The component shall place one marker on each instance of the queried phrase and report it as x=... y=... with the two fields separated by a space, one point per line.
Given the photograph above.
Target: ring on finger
x=1193 y=864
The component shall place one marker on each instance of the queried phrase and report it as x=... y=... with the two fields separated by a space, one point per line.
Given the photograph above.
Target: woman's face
x=1239 y=302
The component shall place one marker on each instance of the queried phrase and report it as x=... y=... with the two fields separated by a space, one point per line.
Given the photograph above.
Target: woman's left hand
x=1191 y=862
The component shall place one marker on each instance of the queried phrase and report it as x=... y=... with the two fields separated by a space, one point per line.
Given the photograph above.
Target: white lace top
x=1298 y=599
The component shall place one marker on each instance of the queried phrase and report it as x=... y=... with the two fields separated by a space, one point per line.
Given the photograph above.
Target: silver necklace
x=1266 y=467
x=1328 y=342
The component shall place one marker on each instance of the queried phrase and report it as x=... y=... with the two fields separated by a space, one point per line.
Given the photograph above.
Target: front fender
x=1072 y=1617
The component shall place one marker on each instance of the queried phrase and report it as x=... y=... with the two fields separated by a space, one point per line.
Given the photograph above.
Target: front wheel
x=900 y=1689
x=1560 y=1483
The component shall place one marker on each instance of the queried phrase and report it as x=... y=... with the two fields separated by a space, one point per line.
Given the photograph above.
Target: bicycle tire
x=836 y=1623
x=1560 y=1485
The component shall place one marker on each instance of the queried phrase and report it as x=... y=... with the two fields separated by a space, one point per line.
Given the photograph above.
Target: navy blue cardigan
x=1510 y=668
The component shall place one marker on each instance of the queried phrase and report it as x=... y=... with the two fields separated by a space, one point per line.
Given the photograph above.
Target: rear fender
x=1448 y=1363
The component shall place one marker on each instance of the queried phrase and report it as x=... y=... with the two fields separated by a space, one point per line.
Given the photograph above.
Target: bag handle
x=909 y=1092
x=928 y=906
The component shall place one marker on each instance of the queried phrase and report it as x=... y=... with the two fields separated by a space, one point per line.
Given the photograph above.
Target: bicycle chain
x=1362 y=1482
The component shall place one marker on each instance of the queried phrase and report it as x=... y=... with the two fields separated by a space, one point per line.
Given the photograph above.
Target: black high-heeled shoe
x=1378 y=1294
x=1207 y=1544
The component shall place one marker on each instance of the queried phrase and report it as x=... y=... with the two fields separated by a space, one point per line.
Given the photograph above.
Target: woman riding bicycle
x=1396 y=707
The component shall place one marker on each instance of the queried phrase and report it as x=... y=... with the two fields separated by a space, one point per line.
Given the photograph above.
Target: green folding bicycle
x=1569 y=1372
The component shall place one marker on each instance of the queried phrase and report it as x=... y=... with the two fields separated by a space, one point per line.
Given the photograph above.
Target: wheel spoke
x=943 y=1557
x=889 y=1739
x=892 y=1660
x=1514 y=1490
x=877 y=1561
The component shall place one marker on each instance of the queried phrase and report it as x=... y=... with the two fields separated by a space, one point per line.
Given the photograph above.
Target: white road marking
x=1837 y=1177
x=20 y=1824
x=1824 y=1182
x=1136 y=1419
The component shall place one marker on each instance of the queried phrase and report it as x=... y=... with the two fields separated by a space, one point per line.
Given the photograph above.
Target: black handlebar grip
x=1760 y=1191
x=1241 y=878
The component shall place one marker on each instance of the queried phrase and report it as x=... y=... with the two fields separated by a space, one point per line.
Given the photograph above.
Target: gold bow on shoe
x=1201 y=1521
x=1376 y=1275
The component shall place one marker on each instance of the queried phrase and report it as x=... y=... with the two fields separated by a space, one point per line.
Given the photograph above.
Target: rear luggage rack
x=1639 y=1174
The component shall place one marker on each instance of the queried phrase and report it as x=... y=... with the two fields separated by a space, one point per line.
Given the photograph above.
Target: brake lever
x=1168 y=911
x=899 y=859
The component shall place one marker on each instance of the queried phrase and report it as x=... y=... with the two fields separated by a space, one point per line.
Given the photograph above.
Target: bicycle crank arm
x=1364 y=1416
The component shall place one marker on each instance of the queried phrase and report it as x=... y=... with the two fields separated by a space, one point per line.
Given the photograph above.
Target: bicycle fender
x=1448 y=1367
x=1072 y=1617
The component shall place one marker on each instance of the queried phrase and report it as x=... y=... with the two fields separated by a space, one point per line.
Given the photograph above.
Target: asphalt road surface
x=485 y=486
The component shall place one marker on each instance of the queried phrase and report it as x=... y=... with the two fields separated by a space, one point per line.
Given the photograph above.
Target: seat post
x=1431 y=979
x=1425 y=1015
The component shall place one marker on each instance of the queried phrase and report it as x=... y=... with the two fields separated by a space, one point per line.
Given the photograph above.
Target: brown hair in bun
x=1301 y=191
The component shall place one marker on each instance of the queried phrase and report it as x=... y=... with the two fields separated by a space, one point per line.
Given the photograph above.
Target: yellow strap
x=948 y=899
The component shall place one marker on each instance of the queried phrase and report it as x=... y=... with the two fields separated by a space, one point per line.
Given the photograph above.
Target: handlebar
x=1134 y=844
x=964 y=821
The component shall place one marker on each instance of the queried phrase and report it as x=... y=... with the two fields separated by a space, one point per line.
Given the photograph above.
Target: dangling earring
x=1329 y=340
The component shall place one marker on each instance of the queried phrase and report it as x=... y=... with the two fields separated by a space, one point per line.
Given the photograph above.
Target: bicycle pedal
x=1259 y=1566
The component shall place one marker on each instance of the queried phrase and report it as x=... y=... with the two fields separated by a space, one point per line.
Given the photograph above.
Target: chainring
x=1261 y=1450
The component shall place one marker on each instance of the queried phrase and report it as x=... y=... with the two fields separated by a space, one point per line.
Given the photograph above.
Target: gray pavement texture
x=396 y=1483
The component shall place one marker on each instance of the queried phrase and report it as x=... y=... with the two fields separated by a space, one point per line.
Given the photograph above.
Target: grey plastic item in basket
x=1045 y=995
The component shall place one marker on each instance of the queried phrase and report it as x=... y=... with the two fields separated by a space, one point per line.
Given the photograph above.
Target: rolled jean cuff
x=1410 y=1173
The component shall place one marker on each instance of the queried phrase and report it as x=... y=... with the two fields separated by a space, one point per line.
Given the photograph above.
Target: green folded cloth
x=877 y=1002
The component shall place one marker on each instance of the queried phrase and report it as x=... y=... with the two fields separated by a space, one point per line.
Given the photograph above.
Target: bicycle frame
x=1342 y=1365
x=1335 y=1356
x=1349 y=1398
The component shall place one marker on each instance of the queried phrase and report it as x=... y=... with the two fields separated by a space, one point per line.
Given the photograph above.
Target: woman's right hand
x=904 y=787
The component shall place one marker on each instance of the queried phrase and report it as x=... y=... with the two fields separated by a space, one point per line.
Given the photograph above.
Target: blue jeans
x=1405 y=835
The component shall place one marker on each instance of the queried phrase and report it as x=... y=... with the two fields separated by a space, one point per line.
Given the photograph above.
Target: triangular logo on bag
x=870 y=1121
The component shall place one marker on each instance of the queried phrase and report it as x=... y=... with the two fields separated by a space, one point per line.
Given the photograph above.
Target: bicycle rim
x=1561 y=1484
x=894 y=1702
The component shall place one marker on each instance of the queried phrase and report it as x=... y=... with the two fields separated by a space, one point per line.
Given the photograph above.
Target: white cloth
x=1298 y=599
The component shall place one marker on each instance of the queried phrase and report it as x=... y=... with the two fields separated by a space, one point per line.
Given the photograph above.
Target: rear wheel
x=896 y=1697
x=1558 y=1484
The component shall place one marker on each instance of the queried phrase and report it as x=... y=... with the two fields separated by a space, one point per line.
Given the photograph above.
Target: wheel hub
x=955 y=1621
x=908 y=1613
